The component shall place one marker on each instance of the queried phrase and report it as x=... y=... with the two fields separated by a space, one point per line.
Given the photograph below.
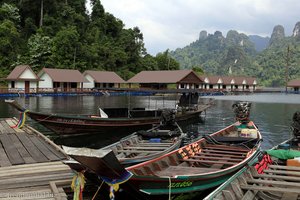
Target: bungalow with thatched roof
x=61 y=80
x=184 y=79
x=22 y=78
x=102 y=79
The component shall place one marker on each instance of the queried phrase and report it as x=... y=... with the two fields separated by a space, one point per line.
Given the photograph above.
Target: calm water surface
x=271 y=112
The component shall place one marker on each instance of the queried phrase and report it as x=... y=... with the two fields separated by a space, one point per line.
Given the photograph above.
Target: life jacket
x=263 y=164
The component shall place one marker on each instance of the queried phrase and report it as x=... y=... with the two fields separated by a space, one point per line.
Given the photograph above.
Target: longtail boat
x=273 y=175
x=115 y=119
x=203 y=164
x=140 y=146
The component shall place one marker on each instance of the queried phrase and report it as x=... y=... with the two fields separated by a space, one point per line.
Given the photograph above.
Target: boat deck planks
x=269 y=185
x=49 y=155
x=13 y=123
x=4 y=161
x=31 y=148
x=30 y=165
x=21 y=149
x=2 y=129
x=11 y=150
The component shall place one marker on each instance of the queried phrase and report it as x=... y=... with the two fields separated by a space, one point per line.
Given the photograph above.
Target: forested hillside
x=61 y=34
x=235 y=54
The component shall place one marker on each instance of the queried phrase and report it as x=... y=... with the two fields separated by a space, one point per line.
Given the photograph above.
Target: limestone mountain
x=260 y=42
x=296 y=31
x=217 y=54
x=238 y=54
x=277 y=35
x=203 y=35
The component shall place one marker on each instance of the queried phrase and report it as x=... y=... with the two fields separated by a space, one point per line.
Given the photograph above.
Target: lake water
x=271 y=112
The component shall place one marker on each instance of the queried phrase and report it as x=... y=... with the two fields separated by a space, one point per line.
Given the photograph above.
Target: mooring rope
x=46 y=118
x=97 y=191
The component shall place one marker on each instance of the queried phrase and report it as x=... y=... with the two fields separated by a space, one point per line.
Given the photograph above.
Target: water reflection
x=271 y=112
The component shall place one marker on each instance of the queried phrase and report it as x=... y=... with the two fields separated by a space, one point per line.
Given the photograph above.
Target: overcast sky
x=169 y=24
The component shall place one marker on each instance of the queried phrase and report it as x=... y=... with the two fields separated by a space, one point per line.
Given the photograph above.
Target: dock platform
x=30 y=164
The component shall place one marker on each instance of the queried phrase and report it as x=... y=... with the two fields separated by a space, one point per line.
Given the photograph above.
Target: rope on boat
x=77 y=185
x=22 y=120
x=97 y=190
x=212 y=140
x=45 y=118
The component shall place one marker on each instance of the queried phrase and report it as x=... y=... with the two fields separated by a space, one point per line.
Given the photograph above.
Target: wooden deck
x=30 y=164
x=276 y=183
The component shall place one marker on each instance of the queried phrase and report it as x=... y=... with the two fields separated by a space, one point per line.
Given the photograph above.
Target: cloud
x=169 y=24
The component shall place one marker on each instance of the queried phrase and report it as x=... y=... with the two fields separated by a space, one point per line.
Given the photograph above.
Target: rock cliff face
x=260 y=42
x=277 y=35
x=296 y=31
x=235 y=38
x=203 y=35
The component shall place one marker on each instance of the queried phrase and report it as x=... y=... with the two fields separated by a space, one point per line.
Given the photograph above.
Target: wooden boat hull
x=84 y=125
x=80 y=124
x=276 y=180
x=144 y=150
x=185 y=183
x=198 y=166
x=140 y=146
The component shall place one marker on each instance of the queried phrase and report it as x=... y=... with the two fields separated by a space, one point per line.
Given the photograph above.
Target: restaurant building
x=164 y=79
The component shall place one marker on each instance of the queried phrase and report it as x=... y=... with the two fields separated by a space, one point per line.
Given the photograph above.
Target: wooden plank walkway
x=30 y=164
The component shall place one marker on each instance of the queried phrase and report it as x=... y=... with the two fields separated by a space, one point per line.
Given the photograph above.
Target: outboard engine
x=242 y=111
x=168 y=117
x=296 y=125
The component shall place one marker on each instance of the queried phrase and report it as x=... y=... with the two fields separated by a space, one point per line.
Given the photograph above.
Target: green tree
x=66 y=46
x=165 y=62
x=40 y=50
x=198 y=70
x=9 y=37
x=10 y=12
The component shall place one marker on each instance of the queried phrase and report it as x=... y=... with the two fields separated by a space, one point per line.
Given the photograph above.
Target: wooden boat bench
x=155 y=144
x=278 y=182
x=179 y=170
x=225 y=147
x=225 y=152
x=197 y=161
x=216 y=156
x=146 y=148
x=233 y=139
x=137 y=151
